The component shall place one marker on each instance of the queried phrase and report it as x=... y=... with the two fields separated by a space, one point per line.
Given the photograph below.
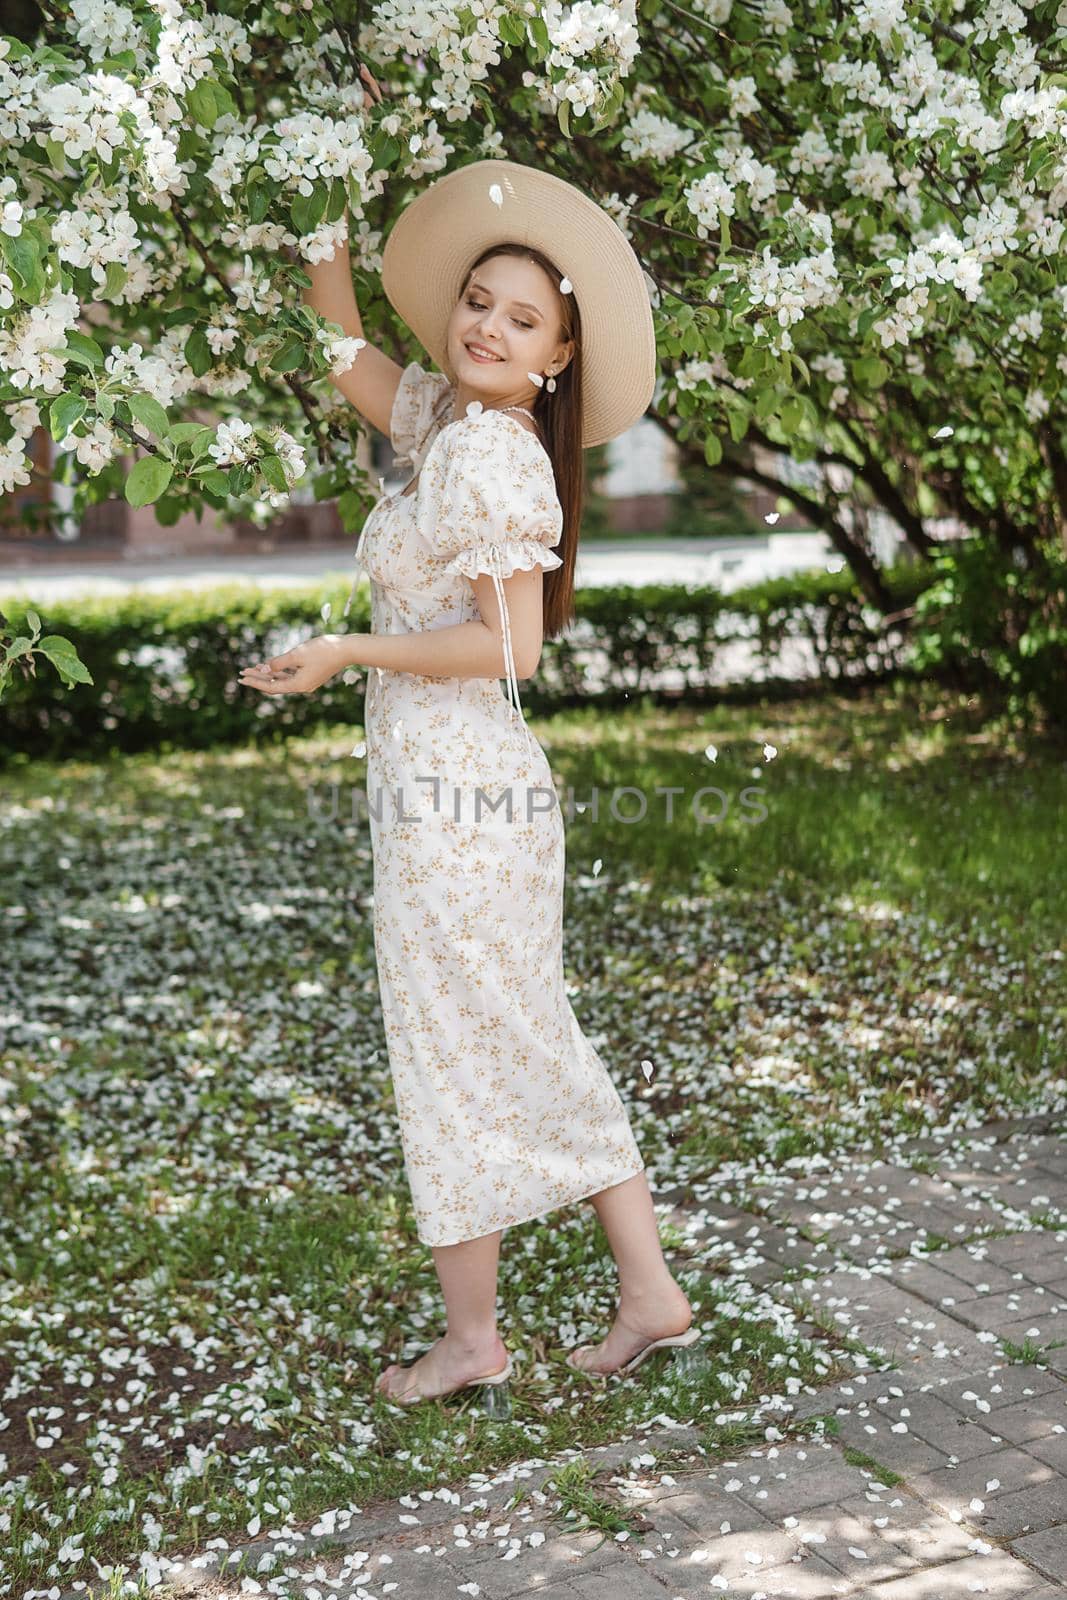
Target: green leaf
x=23 y=256
x=738 y=421
x=258 y=201
x=753 y=364
x=563 y=112
x=115 y=281
x=712 y=449
x=33 y=622
x=870 y=370
x=274 y=473
x=338 y=200
x=766 y=403
x=214 y=481
x=64 y=412
x=56 y=155
x=384 y=151
x=147 y=481
x=63 y=656
x=193 y=434
x=125 y=61
x=291 y=357
x=308 y=210
x=168 y=510
x=201 y=103
x=82 y=349
x=150 y=413
x=609 y=110
x=350 y=509
x=792 y=415
x=224 y=100
x=198 y=352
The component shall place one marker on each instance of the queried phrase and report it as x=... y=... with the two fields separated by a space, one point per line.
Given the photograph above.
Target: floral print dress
x=506 y=1111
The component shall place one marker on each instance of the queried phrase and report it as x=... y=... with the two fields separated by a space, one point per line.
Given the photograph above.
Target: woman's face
x=509 y=307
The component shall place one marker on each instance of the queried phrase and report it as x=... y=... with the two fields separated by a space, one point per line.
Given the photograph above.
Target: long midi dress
x=506 y=1111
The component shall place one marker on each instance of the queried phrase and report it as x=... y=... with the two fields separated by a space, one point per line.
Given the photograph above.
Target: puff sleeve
x=417 y=410
x=491 y=503
x=488 y=504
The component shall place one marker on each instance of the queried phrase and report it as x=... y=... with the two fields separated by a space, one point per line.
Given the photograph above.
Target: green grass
x=859 y=1458
x=206 y=1234
x=1029 y=1353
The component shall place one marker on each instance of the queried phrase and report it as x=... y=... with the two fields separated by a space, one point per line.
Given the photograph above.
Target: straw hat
x=445 y=228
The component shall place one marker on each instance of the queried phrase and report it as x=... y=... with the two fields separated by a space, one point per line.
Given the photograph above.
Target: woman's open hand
x=303 y=669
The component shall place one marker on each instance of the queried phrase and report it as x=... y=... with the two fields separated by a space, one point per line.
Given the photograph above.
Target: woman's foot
x=446 y=1366
x=637 y=1323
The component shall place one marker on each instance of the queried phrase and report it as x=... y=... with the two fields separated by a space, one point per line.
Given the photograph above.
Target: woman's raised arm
x=370 y=384
x=371 y=381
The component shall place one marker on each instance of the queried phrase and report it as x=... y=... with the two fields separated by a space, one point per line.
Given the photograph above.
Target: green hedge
x=165 y=665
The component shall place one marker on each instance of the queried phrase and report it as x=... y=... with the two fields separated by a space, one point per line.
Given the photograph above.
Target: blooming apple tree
x=851 y=214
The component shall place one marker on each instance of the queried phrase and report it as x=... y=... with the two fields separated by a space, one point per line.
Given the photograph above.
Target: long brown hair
x=559 y=419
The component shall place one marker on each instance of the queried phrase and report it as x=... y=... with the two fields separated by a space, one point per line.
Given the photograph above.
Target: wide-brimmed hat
x=443 y=231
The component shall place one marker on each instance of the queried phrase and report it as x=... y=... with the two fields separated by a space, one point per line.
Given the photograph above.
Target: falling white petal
x=535 y=377
x=359 y=749
x=325 y=612
x=772 y=517
x=710 y=751
x=944 y=433
x=648 y=1069
x=565 y=286
x=495 y=194
x=473 y=408
x=597 y=864
x=769 y=752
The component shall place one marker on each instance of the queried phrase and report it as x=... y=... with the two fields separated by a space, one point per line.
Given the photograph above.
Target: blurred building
x=638 y=485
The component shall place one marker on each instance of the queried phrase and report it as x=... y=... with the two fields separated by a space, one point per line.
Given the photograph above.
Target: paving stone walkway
x=944 y=1476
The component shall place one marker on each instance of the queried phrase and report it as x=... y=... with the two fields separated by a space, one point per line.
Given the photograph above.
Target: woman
x=506 y=1111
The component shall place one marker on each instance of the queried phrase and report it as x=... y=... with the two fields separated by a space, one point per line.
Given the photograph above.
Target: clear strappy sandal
x=689 y=1363
x=494 y=1397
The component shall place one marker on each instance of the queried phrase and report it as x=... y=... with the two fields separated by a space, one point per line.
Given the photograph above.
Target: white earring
x=551 y=385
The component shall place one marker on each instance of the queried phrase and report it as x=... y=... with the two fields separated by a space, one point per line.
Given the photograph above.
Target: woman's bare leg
x=471 y=1346
x=651 y=1304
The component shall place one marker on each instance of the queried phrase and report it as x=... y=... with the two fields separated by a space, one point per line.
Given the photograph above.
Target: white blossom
x=1036 y=404
x=234 y=443
x=706 y=198
x=95 y=448
x=652 y=138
